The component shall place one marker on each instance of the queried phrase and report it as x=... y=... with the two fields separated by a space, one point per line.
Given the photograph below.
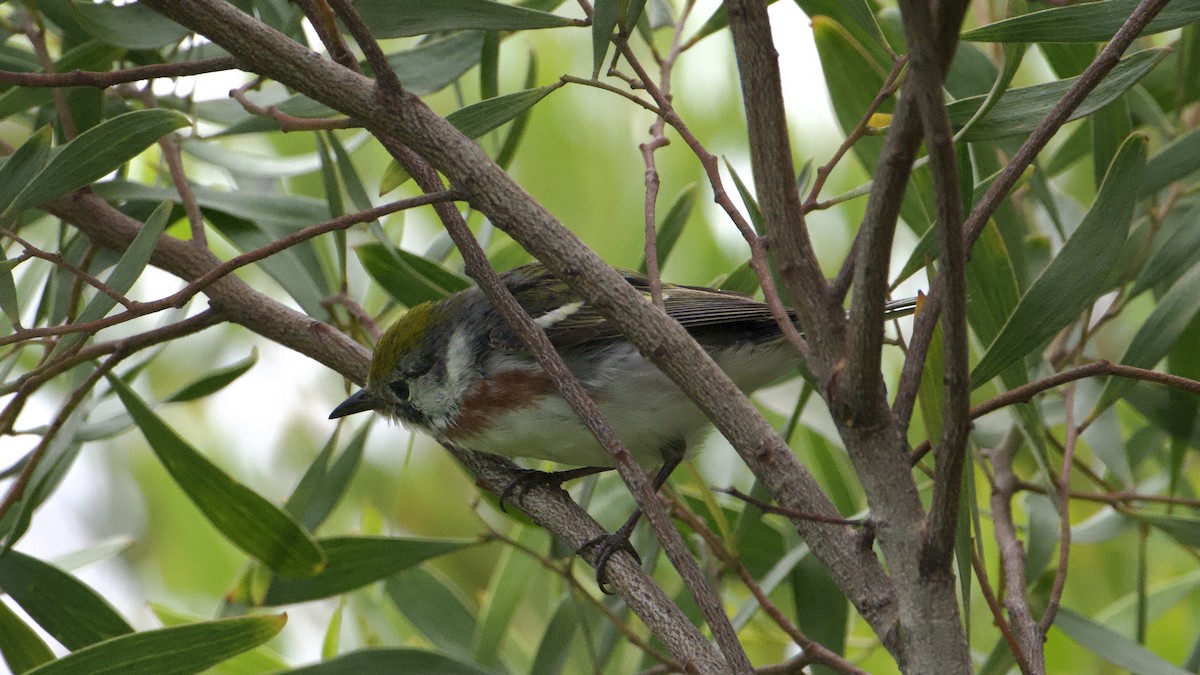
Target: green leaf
x=298 y=269
x=393 y=660
x=855 y=71
x=214 y=380
x=555 y=644
x=19 y=644
x=516 y=131
x=1183 y=529
x=97 y=152
x=1112 y=646
x=131 y=25
x=672 y=224
x=1091 y=22
x=1158 y=333
x=408 y=277
x=354 y=562
x=1019 y=111
x=604 y=22
x=505 y=592
x=253 y=524
x=191 y=648
x=434 y=606
x=1173 y=162
x=393 y=177
x=288 y=212
x=822 y=610
x=1173 y=250
x=322 y=486
x=129 y=268
x=9 y=302
x=477 y=119
x=258 y=660
x=435 y=64
x=1078 y=274
x=65 y=607
x=405 y=18
x=24 y=164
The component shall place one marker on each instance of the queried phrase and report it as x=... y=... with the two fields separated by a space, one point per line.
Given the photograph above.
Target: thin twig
x=1026 y=392
x=989 y=596
x=1012 y=558
x=1064 y=512
x=174 y=158
x=101 y=80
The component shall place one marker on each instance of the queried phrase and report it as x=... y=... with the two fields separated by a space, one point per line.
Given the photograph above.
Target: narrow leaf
x=1080 y=271
x=253 y=524
x=672 y=224
x=435 y=607
x=1112 y=646
x=1158 y=333
x=1174 y=162
x=19 y=643
x=214 y=380
x=66 y=608
x=181 y=650
x=130 y=25
x=604 y=22
x=129 y=268
x=1091 y=22
x=25 y=163
x=393 y=660
x=1019 y=111
x=408 y=277
x=97 y=152
x=405 y=18
x=477 y=119
x=354 y=562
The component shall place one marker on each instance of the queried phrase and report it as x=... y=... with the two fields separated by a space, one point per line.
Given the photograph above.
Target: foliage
x=283 y=217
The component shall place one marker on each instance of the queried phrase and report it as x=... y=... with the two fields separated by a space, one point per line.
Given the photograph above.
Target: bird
x=455 y=371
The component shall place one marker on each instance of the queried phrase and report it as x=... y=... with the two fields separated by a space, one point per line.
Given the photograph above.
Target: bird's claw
x=606 y=546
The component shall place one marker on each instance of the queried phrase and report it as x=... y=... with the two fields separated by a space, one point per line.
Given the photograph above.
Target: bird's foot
x=527 y=479
x=607 y=545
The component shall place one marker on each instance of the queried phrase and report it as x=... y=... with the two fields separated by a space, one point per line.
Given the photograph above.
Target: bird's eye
x=400 y=389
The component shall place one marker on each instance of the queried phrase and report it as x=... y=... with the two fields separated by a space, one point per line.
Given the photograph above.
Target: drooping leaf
x=215 y=380
x=130 y=25
x=1078 y=274
x=181 y=650
x=1091 y=22
x=97 y=152
x=477 y=119
x=1112 y=646
x=23 y=165
x=253 y=524
x=66 y=608
x=405 y=18
x=408 y=277
x=129 y=268
x=354 y=562
x=1159 y=332
x=324 y=484
x=1019 y=111
x=20 y=645
x=393 y=660
x=435 y=607
x=671 y=225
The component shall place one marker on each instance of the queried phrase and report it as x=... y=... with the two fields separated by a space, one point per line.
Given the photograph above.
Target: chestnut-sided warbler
x=454 y=370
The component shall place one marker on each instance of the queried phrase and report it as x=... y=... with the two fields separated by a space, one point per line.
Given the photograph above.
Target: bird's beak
x=358 y=402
